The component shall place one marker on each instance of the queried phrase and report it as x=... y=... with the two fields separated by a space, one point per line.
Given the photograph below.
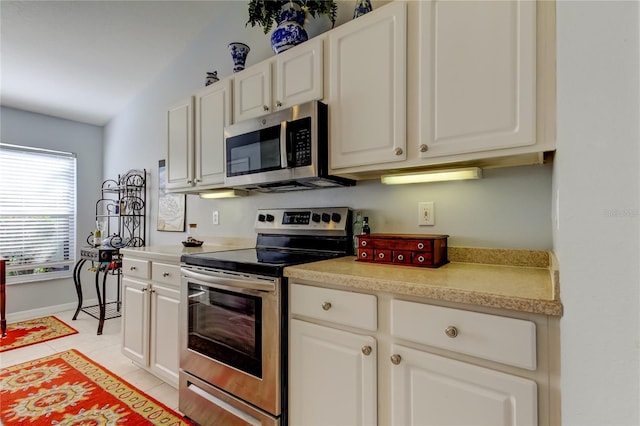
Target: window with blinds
x=37 y=213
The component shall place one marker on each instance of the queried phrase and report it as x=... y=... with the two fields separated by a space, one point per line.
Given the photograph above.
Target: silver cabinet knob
x=132 y=268
x=420 y=246
x=165 y=274
x=420 y=259
x=264 y=107
x=326 y=306
x=381 y=255
x=396 y=359
x=451 y=331
x=363 y=254
x=398 y=151
x=363 y=243
x=144 y=289
x=401 y=257
x=366 y=350
x=424 y=148
x=278 y=104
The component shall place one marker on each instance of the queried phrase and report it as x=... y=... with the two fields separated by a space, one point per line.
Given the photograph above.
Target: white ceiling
x=85 y=60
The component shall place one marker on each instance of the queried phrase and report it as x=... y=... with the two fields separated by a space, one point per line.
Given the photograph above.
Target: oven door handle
x=229 y=282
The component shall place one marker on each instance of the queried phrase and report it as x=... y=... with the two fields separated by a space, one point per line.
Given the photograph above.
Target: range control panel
x=326 y=220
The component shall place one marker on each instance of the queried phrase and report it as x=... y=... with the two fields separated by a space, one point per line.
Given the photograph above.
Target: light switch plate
x=426 y=213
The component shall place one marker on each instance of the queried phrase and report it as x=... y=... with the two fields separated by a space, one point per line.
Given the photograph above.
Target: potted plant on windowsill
x=289 y=15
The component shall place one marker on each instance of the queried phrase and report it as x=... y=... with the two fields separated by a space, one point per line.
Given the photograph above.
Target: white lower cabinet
x=332 y=376
x=151 y=303
x=434 y=390
x=360 y=359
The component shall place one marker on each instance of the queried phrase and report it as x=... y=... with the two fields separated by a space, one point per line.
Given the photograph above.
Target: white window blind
x=37 y=213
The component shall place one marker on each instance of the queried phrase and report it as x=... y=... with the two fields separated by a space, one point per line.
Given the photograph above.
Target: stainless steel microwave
x=283 y=151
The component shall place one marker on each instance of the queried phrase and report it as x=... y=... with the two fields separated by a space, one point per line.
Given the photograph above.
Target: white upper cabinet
x=299 y=74
x=476 y=78
x=252 y=92
x=367 y=90
x=213 y=113
x=297 y=78
x=195 y=155
x=180 y=147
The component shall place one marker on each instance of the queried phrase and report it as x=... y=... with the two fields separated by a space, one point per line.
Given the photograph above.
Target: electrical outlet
x=215 y=217
x=426 y=213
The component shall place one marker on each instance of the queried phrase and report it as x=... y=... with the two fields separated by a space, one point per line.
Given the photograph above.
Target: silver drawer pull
x=132 y=268
x=381 y=255
x=363 y=254
x=451 y=331
x=165 y=274
x=366 y=350
x=396 y=359
x=326 y=306
x=363 y=243
x=420 y=246
x=400 y=257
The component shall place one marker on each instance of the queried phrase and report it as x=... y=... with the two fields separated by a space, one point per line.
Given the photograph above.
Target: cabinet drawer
x=505 y=340
x=136 y=268
x=164 y=273
x=337 y=306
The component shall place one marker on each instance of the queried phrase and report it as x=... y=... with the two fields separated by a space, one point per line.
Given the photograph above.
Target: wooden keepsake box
x=403 y=249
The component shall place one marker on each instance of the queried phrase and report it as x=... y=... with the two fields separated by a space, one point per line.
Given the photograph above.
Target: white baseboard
x=46 y=311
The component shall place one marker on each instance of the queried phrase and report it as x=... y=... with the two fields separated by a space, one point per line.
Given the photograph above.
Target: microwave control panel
x=300 y=134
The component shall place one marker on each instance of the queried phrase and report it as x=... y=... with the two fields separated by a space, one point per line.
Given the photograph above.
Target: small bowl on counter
x=192 y=243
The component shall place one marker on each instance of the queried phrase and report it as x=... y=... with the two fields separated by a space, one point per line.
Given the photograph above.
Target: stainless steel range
x=233 y=356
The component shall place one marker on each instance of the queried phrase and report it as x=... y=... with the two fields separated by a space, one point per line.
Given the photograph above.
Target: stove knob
x=336 y=217
x=315 y=217
x=326 y=217
x=261 y=217
x=270 y=218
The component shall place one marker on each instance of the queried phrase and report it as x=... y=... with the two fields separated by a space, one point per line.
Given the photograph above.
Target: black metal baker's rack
x=121 y=214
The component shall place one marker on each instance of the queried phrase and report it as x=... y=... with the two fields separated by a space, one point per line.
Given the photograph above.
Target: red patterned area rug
x=34 y=331
x=69 y=389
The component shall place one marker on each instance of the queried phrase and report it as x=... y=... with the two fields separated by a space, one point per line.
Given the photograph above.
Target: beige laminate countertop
x=172 y=253
x=518 y=288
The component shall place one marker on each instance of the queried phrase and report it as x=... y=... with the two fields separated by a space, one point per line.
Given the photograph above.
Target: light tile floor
x=104 y=349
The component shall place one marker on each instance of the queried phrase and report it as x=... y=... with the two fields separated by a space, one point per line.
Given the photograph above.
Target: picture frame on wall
x=171 y=207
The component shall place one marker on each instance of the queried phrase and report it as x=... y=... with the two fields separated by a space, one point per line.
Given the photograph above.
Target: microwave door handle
x=283 y=145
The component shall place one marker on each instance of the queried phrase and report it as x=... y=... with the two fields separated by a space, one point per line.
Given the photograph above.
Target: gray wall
x=597 y=188
x=508 y=208
x=42 y=131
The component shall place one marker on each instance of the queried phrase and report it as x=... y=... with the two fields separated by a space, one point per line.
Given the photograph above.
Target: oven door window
x=254 y=152
x=226 y=326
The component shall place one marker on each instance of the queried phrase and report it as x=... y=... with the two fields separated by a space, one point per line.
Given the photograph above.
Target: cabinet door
x=165 y=305
x=180 y=145
x=135 y=320
x=252 y=92
x=213 y=112
x=299 y=74
x=332 y=376
x=477 y=76
x=367 y=89
x=433 y=390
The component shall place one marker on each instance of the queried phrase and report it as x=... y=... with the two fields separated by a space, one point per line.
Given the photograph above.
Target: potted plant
x=289 y=15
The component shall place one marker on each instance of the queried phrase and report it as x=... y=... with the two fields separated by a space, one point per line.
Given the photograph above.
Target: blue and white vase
x=362 y=7
x=239 y=52
x=289 y=31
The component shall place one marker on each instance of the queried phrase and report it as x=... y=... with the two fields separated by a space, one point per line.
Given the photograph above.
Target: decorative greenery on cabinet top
x=265 y=13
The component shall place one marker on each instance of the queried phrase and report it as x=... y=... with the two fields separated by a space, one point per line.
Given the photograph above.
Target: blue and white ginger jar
x=289 y=31
x=239 y=52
